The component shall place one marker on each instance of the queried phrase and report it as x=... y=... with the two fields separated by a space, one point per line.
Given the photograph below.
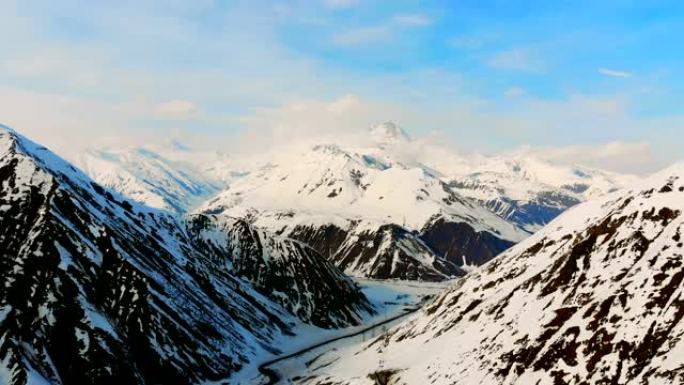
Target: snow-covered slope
x=530 y=192
x=328 y=179
x=596 y=297
x=99 y=289
x=148 y=177
x=330 y=197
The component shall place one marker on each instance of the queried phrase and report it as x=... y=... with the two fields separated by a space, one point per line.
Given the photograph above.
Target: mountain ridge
x=594 y=297
x=335 y=192
x=100 y=289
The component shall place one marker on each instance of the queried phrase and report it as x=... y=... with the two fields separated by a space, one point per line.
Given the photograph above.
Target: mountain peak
x=675 y=170
x=12 y=142
x=328 y=148
x=388 y=132
x=7 y=139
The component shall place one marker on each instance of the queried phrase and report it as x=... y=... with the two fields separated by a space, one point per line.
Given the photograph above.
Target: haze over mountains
x=419 y=213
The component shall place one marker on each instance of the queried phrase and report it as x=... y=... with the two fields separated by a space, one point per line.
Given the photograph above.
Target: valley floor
x=391 y=299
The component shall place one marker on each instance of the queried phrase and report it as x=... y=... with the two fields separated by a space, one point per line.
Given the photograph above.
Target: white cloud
x=68 y=124
x=515 y=92
x=176 y=109
x=381 y=32
x=615 y=73
x=414 y=20
x=518 y=59
x=311 y=120
x=472 y=124
x=439 y=133
x=54 y=63
x=83 y=92
x=626 y=157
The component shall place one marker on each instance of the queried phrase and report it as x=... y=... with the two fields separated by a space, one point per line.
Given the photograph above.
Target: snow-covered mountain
x=530 y=192
x=373 y=216
x=596 y=297
x=383 y=206
x=99 y=289
x=149 y=178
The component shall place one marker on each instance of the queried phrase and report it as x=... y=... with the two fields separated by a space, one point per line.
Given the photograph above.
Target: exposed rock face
x=534 y=212
x=457 y=242
x=596 y=297
x=438 y=252
x=289 y=272
x=100 y=290
x=389 y=251
x=380 y=252
x=392 y=252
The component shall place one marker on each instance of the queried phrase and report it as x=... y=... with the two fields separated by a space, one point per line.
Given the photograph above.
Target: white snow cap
x=676 y=169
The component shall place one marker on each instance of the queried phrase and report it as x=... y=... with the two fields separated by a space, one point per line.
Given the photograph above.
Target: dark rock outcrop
x=288 y=272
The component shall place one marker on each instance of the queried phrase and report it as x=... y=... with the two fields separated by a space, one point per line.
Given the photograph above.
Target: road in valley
x=273 y=377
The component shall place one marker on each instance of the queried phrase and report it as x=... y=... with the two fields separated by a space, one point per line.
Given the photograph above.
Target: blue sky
x=599 y=80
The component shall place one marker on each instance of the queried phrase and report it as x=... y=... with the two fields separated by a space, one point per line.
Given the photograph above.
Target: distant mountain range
x=376 y=210
x=530 y=192
x=149 y=178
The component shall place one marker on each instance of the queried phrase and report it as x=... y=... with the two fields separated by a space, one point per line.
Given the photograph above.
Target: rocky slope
x=596 y=297
x=291 y=273
x=98 y=289
x=377 y=250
